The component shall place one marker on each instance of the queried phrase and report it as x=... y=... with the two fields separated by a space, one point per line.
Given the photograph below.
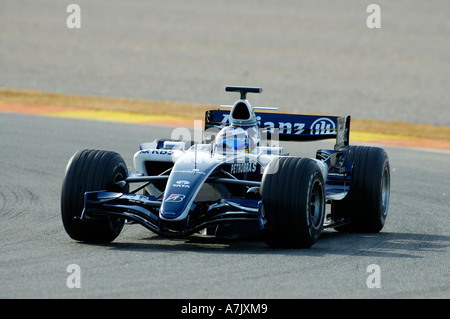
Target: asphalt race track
x=412 y=251
x=308 y=56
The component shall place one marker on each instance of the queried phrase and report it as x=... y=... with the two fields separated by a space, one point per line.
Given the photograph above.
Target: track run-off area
x=178 y=114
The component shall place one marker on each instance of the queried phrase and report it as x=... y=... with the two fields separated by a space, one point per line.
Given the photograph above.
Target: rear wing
x=291 y=127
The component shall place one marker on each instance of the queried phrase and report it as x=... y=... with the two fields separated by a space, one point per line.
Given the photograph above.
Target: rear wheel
x=293 y=195
x=367 y=201
x=91 y=170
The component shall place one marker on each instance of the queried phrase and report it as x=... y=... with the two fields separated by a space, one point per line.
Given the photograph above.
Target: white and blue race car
x=236 y=182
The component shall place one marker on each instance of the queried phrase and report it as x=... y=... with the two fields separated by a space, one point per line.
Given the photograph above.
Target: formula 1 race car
x=237 y=181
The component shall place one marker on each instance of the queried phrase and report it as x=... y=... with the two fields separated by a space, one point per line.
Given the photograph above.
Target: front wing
x=144 y=209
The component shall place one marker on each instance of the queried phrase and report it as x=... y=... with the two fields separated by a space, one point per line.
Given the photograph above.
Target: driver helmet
x=232 y=139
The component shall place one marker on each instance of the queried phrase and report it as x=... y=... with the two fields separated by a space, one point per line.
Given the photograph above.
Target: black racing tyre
x=91 y=170
x=293 y=196
x=367 y=201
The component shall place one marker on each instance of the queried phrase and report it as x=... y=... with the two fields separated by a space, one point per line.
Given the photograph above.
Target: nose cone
x=186 y=179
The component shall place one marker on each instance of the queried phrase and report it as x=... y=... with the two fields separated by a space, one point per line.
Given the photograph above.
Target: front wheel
x=91 y=170
x=293 y=195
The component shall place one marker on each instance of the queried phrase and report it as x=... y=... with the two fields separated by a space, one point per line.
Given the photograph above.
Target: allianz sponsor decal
x=322 y=125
